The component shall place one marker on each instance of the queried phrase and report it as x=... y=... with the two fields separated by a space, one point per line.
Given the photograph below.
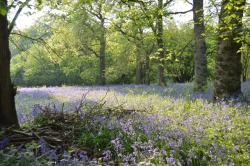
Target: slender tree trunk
x=8 y=116
x=160 y=43
x=245 y=64
x=200 y=57
x=138 y=65
x=147 y=76
x=244 y=78
x=102 y=66
x=228 y=66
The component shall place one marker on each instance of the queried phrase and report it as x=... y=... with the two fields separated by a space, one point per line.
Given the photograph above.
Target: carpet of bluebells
x=170 y=126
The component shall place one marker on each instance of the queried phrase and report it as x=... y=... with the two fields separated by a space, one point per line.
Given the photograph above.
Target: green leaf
x=39 y=2
x=160 y=12
x=3 y=8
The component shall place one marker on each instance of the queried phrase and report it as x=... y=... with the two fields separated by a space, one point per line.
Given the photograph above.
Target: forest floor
x=127 y=125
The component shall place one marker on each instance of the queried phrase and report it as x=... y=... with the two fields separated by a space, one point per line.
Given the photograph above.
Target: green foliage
x=211 y=41
x=70 y=46
x=97 y=137
x=34 y=68
x=3 y=8
x=23 y=156
x=180 y=52
x=144 y=124
x=121 y=64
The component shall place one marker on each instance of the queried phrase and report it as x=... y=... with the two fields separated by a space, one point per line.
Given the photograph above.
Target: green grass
x=145 y=125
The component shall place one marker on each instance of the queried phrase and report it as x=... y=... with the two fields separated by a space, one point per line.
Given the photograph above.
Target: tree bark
x=8 y=116
x=102 y=66
x=138 y=65
x=147 y=76
x=200 y=57
x=160 y=43
x=228 y=66
x=245 y=63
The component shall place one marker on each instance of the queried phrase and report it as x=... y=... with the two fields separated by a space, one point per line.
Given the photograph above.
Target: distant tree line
x=110 y=42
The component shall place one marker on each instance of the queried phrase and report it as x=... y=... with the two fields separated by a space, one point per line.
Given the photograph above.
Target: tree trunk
x=245 y=63
x=8 y=116
x=200 y=57
x=160 y=52
x=138 y=65
x=102 y=66
x=147 y=76
x=228 y=66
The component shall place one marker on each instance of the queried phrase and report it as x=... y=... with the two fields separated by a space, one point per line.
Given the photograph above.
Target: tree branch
x=181 y=51
x=183 y=12
x=167 y=3
x=144 y=9
x=89 y=49
x=28 y=37
x=41 y=40
x=190 y=3
x=12 y=24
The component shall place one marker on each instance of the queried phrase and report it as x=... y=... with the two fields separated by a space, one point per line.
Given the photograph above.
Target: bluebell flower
x=43 y=145
x=107 y=155
x=117 y=144
x=74 y=163
x=62 y=162
x=52 y=155
x=170 y=160
x=84 y=157
x=66 y=155
x=59 y=149
x=4 y=142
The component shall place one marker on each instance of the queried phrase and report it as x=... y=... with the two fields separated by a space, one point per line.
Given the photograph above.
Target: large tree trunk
x=200 y=57
x=8 y=116
x=228 y=60
x=102 y=79
x=160 y=43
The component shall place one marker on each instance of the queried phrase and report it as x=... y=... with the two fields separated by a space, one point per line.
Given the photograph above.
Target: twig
x=52 y=138
x=41 y=139
x=16 y=140
x=81 y=102
x=99 y=103
x=23 y=133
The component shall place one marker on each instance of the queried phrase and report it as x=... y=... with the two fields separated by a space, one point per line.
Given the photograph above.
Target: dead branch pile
x=63 y=128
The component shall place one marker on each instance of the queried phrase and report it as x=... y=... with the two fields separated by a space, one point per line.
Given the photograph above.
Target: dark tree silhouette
x=8 y=116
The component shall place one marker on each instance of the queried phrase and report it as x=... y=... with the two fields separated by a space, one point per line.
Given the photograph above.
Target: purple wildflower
x=171 y=144
x=170 y=160
x=75 y=155
x=84 y=157
x=3 y=143
x=43 y=145
x=37 y=109
x=135 y=153
x=73 y=163
x=107 y=155
x=52 y=155
x=66 y=155
x=62 y=163
x=117 y=144
x=59 y=149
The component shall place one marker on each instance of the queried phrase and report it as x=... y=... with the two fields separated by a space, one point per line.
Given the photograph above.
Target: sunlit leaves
x=39 y=2
x=3 y=8
x=160 y=12
x=231 y=20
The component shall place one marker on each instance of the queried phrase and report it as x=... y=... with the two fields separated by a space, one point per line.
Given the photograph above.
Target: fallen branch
x=23 y=133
